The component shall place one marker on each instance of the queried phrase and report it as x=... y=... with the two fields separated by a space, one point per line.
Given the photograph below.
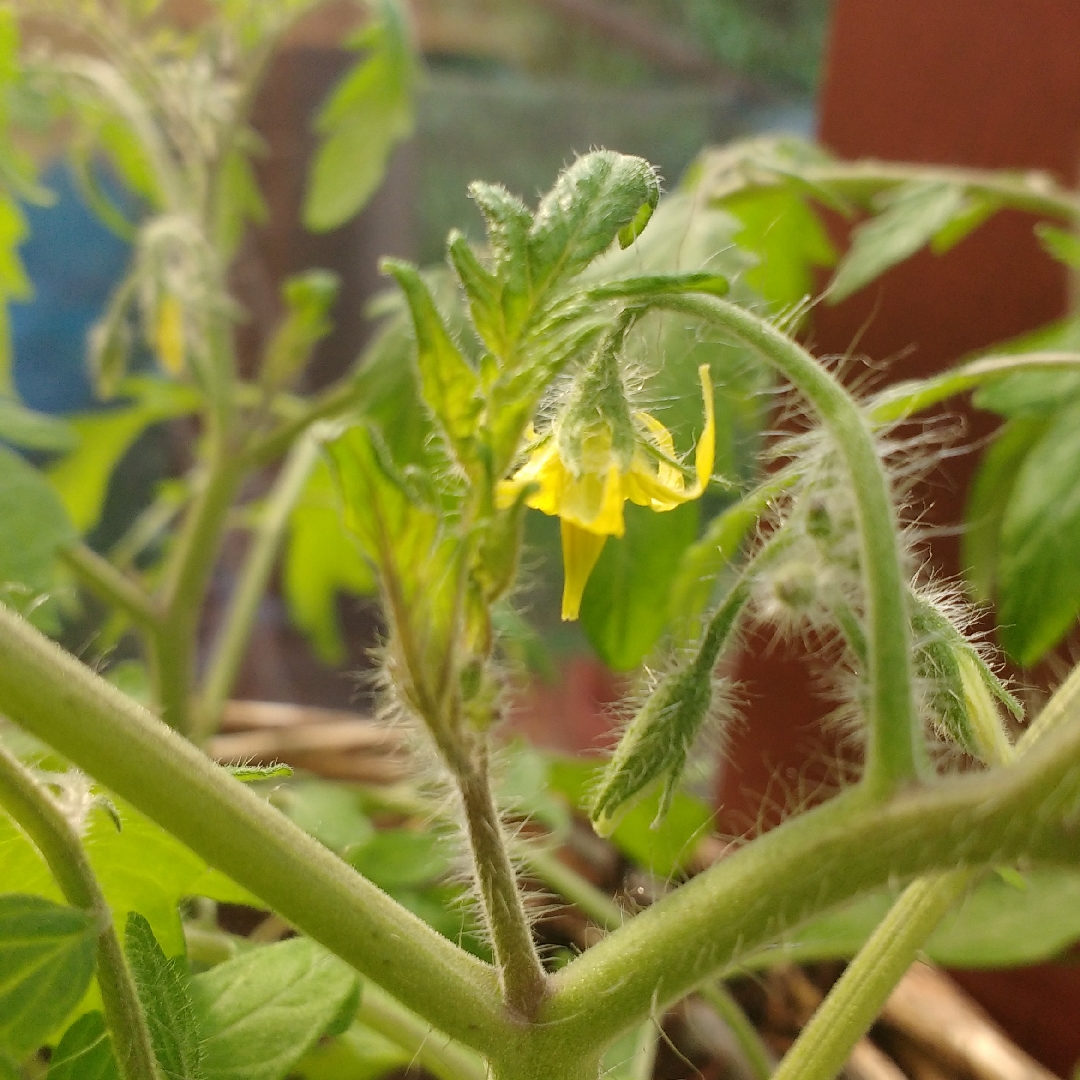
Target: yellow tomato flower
x=589 y=499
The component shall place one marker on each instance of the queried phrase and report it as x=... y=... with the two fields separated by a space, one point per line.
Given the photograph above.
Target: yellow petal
x=580 y=550
x=654 y=490
x=543 y=468
x=594 y=501
x=169 y=335
x=705 y=453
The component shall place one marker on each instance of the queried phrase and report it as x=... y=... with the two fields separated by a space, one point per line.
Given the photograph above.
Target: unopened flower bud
x=655 y=745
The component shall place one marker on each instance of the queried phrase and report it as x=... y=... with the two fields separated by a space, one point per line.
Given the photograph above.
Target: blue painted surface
x=74 y=262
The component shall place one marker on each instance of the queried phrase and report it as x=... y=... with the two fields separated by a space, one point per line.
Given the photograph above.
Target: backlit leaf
x=46 y=964
x=322 y=561
x=262 y=1011
x=82 y=478
x=624 y=609
x=449 y=385
x=368 y=112
x=911 y=216
x=33 y=528
x=1060 y=243
x=1039 y=566
x=34 y=430
x=989 y=499
x=140 y=868
x=85 y=1052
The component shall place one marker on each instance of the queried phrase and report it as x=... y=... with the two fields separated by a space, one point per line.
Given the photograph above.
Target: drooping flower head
x=599 y=453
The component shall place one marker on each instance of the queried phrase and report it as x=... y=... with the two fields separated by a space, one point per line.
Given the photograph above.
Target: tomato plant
x=598 y=361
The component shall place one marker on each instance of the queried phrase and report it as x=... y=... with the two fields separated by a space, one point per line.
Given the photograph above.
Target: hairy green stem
x=183 y=590
x=805 y=865
x=33 y=808
x=905 y=399
x=111 y=585
x=232 y=641
x=439 y=1055
x=127 y=749
x=716 y=994
x=894 y=750
x=1035 y=192
x=524 y=983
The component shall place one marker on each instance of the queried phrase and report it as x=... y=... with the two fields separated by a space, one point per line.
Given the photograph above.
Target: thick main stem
x=524 y=983
x=894 y=750
x=34 y=809
x=126 y=748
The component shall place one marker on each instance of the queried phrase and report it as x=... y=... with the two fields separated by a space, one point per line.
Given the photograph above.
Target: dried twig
x=934 y=1012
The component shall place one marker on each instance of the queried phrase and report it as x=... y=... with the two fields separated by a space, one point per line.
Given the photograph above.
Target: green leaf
x=784 y=232
x=601 y=196
x=46 y=964
x=448 y=383
x=1060 y=243
x=979 y=208
x=911 y=216
x=329 y=812
x=1027 y=392
x=140 y=868
x=702 y=562
x=82 y=478
x=34 y=430
x=359 y=1054
x=322 y=560
x=251 y=774
x=261 y=1012
x=1039 y=565
x=418 y=561
x=162 y=984
x=996 y=926
x=989 y=498
x=624 y=610
x=663 y=850
x=400 y=859
x=85 y=1052
x=33 y=528
x=368 y=112
x=659 y=284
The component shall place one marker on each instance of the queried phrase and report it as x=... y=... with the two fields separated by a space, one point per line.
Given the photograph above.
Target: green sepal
x=483 y=291
x=449 y=385
x=963 y=688
x=658 y=285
